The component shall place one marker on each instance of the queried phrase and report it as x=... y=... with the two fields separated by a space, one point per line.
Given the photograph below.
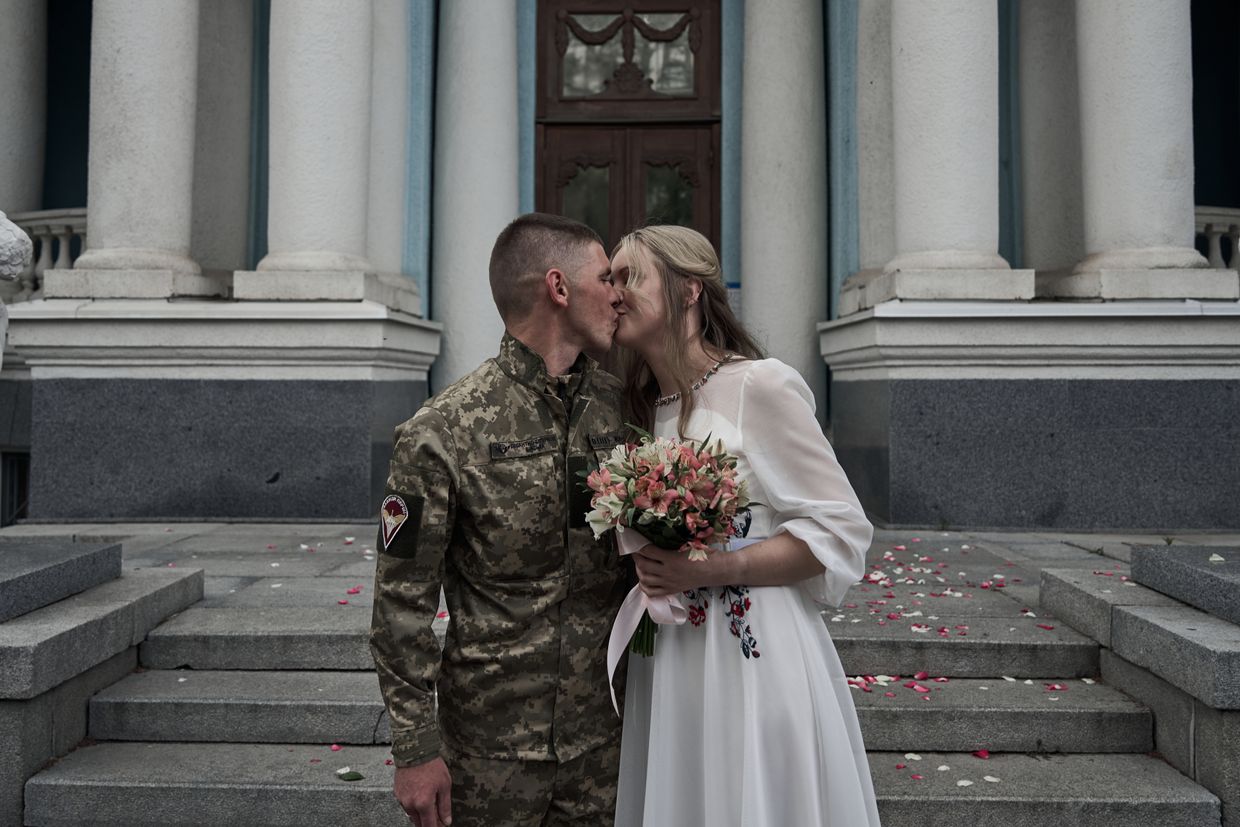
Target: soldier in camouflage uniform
x=484 y=498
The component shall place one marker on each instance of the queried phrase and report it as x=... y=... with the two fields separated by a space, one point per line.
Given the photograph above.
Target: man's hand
x=425 y=791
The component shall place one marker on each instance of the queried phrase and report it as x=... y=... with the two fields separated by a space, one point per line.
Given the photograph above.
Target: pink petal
x=915 y=777
x=900 y=548
x=921 y=676
x=354 y=590
x=1045 y=626
x=981 y=753
x=336 y=748
x=901 y=766
x=343 y=602
x=1055 y=687
x=388 y=762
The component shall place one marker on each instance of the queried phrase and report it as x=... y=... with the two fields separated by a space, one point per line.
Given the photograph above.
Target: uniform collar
x=527 y=367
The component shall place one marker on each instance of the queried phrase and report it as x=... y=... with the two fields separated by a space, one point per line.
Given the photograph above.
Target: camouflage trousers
x=491 y=793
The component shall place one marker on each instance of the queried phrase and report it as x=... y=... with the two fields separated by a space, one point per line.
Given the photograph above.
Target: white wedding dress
x=743 y=715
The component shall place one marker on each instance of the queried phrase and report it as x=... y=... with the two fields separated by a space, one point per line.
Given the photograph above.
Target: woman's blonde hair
x=679 y=255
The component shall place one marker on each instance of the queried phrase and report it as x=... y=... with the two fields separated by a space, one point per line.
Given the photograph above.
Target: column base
x=1036 y=416
x=869 y=288
x=1137 y=283
x=129 y=284
x=207 y=410
x=392 y=290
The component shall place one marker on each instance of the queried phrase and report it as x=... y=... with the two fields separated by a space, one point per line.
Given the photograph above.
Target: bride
x=742 y=716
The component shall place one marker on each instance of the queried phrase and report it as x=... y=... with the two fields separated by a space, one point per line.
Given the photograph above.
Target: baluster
x=63 y=239
x=44 y=234
x=1214 y=234
x=1234 y=235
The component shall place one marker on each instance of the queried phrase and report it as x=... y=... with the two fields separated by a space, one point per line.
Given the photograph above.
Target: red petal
x=921 y=676
x=982 y=753
x=1045 y=626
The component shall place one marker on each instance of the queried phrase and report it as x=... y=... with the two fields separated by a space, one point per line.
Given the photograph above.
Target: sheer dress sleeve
x=804 y=485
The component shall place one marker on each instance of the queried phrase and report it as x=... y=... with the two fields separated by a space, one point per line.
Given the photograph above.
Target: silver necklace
x=672 y=397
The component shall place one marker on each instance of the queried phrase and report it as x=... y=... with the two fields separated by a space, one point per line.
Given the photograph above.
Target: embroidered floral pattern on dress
x=736 y=598
x=699 y=602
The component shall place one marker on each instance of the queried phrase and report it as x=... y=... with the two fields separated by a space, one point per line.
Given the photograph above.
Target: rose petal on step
x=304 y=547
x=1089 y=681
x=316 y=760
x=348 y=541
x=1055 y=687
x=1045 y=626
x=912 y=756
x=1010 y=680
x=990 y=778
x=900 y=548
x=901 y=766
x=921 y=676
x=343 y=770
x=336 y=748
x=981 y=753
x=943 y=768
x=354 y=590
x=388 y=762
x=915 y=777
x=271 y=545
x=964 y=782
x=1217 y=558
x=343 y=602
x=889 y=694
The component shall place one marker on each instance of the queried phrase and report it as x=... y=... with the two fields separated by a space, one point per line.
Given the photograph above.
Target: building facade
x=994 y=237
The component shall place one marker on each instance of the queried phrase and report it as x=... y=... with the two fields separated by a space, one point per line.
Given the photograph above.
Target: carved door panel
x=615 y=178
x=628 y=113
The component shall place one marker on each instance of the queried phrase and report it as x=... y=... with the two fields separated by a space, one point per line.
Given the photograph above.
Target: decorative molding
x=997 y=340
x=62 y=338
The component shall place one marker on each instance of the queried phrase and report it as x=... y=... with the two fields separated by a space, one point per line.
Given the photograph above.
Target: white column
x=476 y=175
x=784 y=183
x=1136 y=91
x=945 y=100
x=143 y=98
x=23 y=92
x=319 y=135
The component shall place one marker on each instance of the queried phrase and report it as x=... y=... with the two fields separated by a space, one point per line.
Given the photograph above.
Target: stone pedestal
x=1039 y=416
x=260 y=410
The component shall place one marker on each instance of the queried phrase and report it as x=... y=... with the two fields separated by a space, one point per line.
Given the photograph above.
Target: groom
x=484 y=499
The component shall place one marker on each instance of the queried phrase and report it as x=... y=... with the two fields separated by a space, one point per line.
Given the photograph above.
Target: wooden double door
x=628 y=114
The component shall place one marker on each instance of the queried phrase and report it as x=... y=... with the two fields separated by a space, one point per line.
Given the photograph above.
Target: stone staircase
x=248 y=704
x=70 y=624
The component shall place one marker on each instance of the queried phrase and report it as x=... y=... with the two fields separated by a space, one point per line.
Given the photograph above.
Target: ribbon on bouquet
x=667 y=610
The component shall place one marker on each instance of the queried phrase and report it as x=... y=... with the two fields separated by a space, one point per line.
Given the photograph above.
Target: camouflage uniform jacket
x=484 y=497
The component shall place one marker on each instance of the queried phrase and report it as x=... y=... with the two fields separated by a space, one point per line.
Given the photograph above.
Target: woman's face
x=643 y=312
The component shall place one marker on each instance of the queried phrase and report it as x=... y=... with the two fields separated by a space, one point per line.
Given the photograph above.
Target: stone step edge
x=46 y=647
x=75 y=569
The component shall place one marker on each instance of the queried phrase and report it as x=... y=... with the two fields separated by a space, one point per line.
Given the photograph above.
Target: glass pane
x=669 y=197
x=668 y=65
x=586 y=198
x=587 y=68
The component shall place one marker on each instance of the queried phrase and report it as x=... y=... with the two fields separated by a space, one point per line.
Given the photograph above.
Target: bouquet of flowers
x=681 y=495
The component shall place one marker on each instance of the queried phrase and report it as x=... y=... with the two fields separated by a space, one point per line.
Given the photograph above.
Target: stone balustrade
x=53 y=233
x=1215 y=224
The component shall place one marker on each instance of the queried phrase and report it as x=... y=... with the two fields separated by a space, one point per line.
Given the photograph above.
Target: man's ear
x=557 y=286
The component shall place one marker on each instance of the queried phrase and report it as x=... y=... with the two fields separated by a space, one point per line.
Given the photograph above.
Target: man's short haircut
x=527 y=248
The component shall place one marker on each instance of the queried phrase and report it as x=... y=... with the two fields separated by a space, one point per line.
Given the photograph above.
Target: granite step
x=1206 y=577
x=142 y=784
x=1029 y=790
x=44 y=648
x=279 y=784
x=963 y=714
x=38 y=573
x=294 y=637
x=346 y=708
x=965 y=646
x=238 y=706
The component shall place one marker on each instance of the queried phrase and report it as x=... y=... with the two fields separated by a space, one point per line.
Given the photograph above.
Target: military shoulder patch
x=400 y=519
x=392 y=515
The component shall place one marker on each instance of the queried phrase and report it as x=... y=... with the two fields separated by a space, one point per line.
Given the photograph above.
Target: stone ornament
x=16 y=249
